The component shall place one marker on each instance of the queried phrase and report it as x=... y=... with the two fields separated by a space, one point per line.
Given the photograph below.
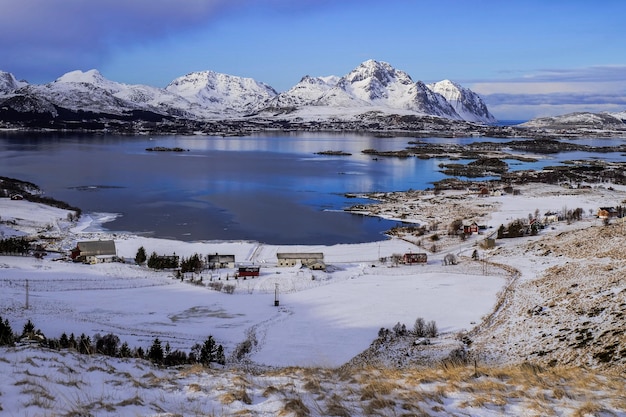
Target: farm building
x=95 y=251
x=221 y=261
x=470 y=228
x=415 y=258
x=607 y=213
x=310 y=260
x=248 y=271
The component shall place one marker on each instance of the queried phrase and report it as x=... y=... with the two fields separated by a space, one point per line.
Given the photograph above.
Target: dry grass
x=238 y=395
x=194 y=388
x=130 y=401
x=336 y=407
x=295 y=407
x=195 y=369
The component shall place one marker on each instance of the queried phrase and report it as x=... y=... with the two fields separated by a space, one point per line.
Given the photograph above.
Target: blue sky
x=526 y=58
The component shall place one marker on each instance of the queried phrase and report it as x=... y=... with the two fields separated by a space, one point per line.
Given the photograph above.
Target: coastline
x=522 y=306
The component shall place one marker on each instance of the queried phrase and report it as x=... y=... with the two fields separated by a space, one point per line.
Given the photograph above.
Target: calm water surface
x=269 y=188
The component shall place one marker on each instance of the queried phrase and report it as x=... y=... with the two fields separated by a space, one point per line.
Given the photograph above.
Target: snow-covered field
x=325 y=318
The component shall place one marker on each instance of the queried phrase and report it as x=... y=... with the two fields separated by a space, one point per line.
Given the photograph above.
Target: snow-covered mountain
x=466 y=102
x=8 y=83
x=306 y=92
x=90 y=91
x=221 y=92
x=375 y=85
x=372 y=86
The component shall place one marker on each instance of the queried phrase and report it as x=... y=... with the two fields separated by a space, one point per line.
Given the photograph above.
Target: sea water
x=271 y=188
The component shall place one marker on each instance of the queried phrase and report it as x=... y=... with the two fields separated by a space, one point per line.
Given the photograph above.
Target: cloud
x=592 y=74
x=555 y=99
x=550 y=92
x=54 y=36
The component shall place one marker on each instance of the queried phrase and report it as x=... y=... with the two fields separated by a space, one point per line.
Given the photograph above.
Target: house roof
x=221 y=258
x=96 y=247
x=294 y=255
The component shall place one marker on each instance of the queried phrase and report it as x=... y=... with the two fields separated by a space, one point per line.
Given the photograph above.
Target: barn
x=94 y=251
x=310 y=260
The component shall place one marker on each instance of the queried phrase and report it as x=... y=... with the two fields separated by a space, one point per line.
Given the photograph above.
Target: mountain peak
x=465 y=102
x=380 y=71
x=221 y=91
x=92 y=76
x=8 y=83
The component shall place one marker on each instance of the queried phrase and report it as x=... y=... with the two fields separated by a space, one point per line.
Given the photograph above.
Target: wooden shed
x=415 y=258
x=248 y=271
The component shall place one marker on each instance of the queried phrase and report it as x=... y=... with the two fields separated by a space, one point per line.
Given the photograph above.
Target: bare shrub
x=419 y=328
x=229 y=288
x=431 y=329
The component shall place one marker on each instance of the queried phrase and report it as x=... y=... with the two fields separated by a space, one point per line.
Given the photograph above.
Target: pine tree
x=153 y=261
x=71 y=343
x=219 y=356
x=84 y=344
x=125 y=351
x=29 y=328
x=140 y=257
x=64 y=342
x=6 y=333
x=155 y=354
x=209 y=351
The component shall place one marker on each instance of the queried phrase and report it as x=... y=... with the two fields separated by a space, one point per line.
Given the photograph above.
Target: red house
x=415 y=258
x=248 y=271
x=471 y=228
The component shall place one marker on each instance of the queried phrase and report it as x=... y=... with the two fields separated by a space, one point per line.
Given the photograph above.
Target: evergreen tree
x=139 y=353
x=220 y=357
x=140 y=257
x=153 y=261
x=211 y=352
x=84 y=344
x=155 y=353
x=71 y=343
x=64 y=342
x=29 y=328
x=6 y=333
x=125 y=351
x=107 y=344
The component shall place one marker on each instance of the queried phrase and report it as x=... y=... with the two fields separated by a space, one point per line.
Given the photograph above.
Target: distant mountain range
x=203 y=96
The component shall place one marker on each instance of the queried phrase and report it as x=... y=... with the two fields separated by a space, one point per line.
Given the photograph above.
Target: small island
x=339 y=153
x=164 y=149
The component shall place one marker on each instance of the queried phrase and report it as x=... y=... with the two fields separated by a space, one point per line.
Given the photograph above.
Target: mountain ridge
x=208 y=95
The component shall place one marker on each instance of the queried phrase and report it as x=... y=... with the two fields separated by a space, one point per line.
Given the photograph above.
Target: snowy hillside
x=306 y=92
x=466 y=103
x=578 y=120
x=543 y=316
